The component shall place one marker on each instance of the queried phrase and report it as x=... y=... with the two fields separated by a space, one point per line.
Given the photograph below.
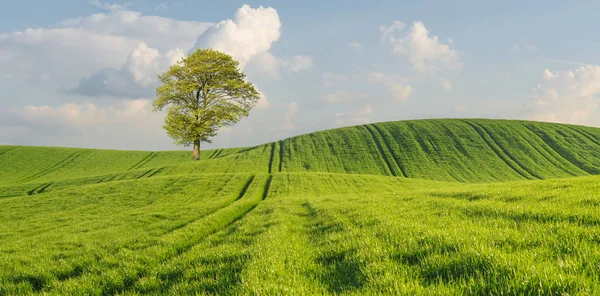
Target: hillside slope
x=340 y=212
x=467 y=150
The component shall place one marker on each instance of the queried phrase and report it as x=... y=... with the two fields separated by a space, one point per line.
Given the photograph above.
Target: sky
x=83 y=73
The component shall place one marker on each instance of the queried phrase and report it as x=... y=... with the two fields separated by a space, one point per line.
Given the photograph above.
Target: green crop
x=442 y=207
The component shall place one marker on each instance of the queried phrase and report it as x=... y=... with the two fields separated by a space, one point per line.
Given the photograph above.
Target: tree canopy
x=203 y=92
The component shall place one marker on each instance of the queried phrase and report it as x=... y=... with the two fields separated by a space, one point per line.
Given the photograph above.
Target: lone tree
x=204 y=92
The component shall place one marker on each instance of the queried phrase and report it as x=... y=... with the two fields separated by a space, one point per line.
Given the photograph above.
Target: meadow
x=443 y=207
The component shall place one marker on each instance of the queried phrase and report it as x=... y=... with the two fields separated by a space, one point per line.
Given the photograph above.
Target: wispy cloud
x=425 y=52
x=108 y=6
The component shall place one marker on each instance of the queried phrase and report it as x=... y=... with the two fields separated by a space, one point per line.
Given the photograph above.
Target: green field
x=442 y=207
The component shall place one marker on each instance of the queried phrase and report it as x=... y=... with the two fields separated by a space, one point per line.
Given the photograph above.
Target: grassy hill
x=444 y=150
x=412 y=207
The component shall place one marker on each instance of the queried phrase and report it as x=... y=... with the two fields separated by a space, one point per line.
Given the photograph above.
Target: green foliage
x=351 y=213
x=203 y=92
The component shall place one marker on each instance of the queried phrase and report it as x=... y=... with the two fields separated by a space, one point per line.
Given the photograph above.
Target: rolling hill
x=446 y=207
x=473 y=150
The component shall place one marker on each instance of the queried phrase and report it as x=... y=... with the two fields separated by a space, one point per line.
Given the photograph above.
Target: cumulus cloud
x=129 y=111
x=251 y=32
x=289 y=116
x=268 y=64
x=567 y=97
x=399 y=90
x=118 y=53
x=548 y=75
x=135 y=78
x=249 y=36
x=129 y=124
x=64 y=54
x=425 y=53
x=262 y=103
x=344 y=96
x=80 y=46
x=157 y=32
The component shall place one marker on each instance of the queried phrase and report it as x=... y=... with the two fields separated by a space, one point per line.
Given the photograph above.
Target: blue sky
x=82 y=73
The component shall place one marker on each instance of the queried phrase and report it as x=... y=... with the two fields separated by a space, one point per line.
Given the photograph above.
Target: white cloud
x=262 y=103
x=361 y=116
x=128 y=124
x=81 y=46
x=548 y=75
x=355 y=46
x=249 y=36
x=567 y=97
x=266 y=64
x=298 y=63
x=64 y=54
x=248 y=39
x=399 y=90
x=529 y=47
x=162 y=6
x=425 y=53
x=460 y=109
x=135 y=112
x=269 y=65
x=135 y=78
x=292 y=110
x=108 y=6
x=330 y=78
x=446 y=84
x=388 y=33
x=158 y=32
x=251 y=32
x=344 y=96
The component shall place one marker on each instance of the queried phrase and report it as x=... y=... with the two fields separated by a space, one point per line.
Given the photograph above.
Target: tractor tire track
x=553 y=152
x=217 y=154
x=144 y=161
x=212 y=154
x=389 y=149
x=145 y=173
x=156 y=172
x=56 y=166
x=226 y=224
x=272 y=156
x=552 y=143
x=7 y=150
x=220 y=226
x=391 y=171
x=584 y=134
x=162 y=236
x=39 y=189
x=491 y=143
x=267 y=187
x=280 y=155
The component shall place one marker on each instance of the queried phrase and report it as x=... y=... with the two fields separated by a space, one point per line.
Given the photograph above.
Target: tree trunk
x=197 y=150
